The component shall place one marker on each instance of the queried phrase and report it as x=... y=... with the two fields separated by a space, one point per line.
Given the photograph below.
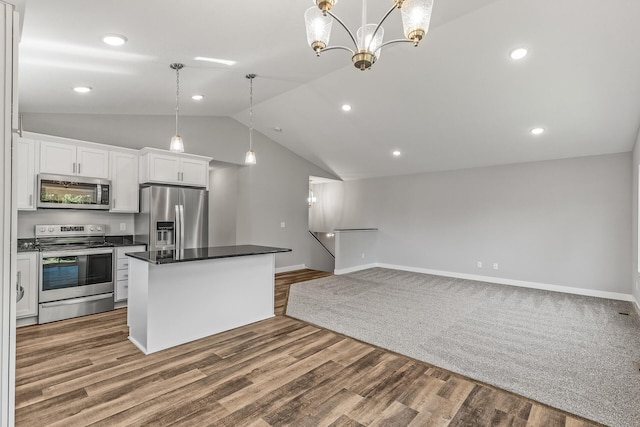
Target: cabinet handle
x=126 y=286
x=178 y=176
x=125 y=275
x=74 y=168
x=114 y=203
x=78 y=167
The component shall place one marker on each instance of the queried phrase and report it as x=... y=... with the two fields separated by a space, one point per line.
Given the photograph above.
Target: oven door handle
x=73 y=301
x=76 y=252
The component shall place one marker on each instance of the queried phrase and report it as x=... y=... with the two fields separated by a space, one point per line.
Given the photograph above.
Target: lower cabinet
x=122 y=271
x=27 y=284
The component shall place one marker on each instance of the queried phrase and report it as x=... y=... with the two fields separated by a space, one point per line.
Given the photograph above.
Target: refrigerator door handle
x=181 y=227
x=177 y=236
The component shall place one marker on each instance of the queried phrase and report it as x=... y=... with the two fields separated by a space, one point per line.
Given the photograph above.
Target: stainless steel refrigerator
x=173 y=218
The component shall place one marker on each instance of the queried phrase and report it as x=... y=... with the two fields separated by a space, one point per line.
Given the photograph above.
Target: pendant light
x=177 y=145
x=250 y=158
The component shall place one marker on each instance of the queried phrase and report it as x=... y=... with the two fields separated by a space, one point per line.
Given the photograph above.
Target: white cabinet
x=26 y=166
x=162 y=166
x=122 y=270
x=124 y=182
x=69 y=159
x=27 y=284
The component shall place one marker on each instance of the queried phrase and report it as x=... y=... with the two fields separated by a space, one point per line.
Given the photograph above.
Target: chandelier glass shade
x=368 y=39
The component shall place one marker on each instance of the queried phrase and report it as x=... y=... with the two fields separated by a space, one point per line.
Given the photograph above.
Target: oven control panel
x=70 y=230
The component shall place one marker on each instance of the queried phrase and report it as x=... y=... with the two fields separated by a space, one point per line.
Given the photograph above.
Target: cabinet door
x=93 y=162
x=195 y=172
x=164 y=168
x=26 y=173
x=27 y=278
x=124 y=182
x=57 y=158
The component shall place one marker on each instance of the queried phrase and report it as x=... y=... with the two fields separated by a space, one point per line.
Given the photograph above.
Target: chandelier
x=367 y=41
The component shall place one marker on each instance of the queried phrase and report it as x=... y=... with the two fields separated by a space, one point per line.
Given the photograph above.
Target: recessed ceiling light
x=536 y=131
x=277 y=128
x=82 y=89
x=346 y=107
x=197 y=97
x=518 y=53
x=216 y=60
x=396 y=153
x=114 y=39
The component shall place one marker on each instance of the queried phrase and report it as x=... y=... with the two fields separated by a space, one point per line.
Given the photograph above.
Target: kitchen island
x=181 y=296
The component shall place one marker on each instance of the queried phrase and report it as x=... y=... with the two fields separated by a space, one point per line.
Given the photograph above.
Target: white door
x=57 y=158
x=124 y=182
x=92 y=162
x=26 y=165
x=27 y=272
x=195 y=172
x=164 y=168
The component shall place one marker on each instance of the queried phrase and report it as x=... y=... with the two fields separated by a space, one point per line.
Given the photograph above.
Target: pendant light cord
x=177 y=96
x=251 y=113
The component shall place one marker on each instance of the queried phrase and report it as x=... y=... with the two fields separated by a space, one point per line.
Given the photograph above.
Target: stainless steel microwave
x=73 y=192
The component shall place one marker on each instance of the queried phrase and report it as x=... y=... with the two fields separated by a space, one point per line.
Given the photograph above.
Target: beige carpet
x=572 y=352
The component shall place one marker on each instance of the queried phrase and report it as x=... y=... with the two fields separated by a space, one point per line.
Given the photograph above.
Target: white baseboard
x=290 y=268
x=513 y=282
x=356 y=268
x=637 y=306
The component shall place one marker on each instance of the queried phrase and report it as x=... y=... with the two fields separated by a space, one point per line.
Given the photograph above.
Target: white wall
x=272 y=191
x=27 y=220
x=223 y=200
x=635 y=172
x=563 y=222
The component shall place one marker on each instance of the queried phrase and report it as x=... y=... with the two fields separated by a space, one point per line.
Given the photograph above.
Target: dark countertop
x=197 y=254
x=29 y=244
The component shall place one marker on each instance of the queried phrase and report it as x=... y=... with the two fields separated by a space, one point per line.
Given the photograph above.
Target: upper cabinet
x=161 y=166
x=26 y=167
x=124 y=181
x=70 y=159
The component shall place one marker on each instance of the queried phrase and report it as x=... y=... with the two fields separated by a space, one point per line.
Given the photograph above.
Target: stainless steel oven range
x=76 y=271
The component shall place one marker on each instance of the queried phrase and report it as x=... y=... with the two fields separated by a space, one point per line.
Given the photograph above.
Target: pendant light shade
x=250 y=157
x=177 y=145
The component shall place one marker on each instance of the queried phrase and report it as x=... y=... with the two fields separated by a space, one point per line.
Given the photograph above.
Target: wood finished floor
x=278 y=372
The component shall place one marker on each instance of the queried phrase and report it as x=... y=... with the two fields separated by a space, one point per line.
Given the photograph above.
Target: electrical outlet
x=123 y=226
x=282 y=224
x=479 y=264
x=495 y=265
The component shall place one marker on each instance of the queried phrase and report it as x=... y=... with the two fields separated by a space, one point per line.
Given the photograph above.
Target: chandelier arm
x=338 y=47
x=395 y=41
x=379 y=25
x=353 y=39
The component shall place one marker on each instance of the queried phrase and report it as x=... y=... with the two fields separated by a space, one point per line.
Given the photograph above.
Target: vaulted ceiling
x=456 y=101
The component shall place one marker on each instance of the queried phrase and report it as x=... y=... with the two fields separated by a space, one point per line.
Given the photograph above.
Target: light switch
x=282 y=224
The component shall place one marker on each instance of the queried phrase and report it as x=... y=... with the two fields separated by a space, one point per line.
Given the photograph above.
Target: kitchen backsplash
x=28 y=220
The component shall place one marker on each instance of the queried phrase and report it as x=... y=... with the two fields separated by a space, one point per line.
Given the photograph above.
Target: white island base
x=172 y=304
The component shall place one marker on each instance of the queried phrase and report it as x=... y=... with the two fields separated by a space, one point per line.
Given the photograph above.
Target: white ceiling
x=456 y=101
